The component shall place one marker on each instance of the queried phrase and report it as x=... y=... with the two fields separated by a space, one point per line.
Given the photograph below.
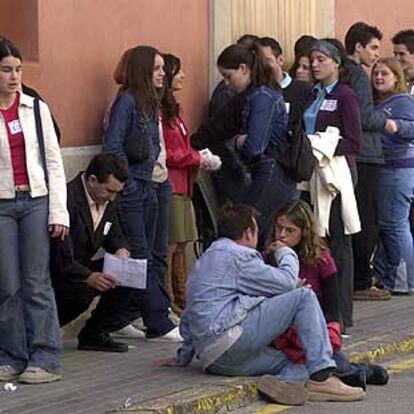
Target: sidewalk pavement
x=97 y=382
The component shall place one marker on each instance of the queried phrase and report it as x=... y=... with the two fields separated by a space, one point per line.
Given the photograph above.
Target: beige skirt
x=182 y=226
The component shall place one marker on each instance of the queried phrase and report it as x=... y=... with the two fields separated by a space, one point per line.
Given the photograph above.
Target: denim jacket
x=125 y=119
x=228 y=281
x=264 y=120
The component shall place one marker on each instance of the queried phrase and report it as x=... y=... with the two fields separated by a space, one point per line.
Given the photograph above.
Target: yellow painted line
x=401 y=366
x=273 y=409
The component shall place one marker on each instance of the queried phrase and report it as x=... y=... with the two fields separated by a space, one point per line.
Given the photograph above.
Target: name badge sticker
x=107 y=227
x=329 y=105
x=287 y=104
x=15 y=127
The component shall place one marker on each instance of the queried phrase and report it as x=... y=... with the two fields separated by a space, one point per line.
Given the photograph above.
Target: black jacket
x=71 y=259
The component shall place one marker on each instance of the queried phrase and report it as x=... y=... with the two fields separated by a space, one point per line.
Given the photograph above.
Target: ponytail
x=251 y=56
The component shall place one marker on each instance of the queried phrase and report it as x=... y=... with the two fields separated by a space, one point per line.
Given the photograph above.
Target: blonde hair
x=395 y=67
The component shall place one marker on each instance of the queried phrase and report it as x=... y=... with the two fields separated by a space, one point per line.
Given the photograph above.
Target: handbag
x=296 y=154
x=137 y=147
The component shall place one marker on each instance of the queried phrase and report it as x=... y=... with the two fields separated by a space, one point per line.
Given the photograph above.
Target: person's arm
x=119 y=125
x=225 y=124
x=405 y=128
x=264 y=127
x=58 y=214
x=371 y=119
x=185 y=354
x=330 y=297
x=351 y=129
x=259 y=279
x=115 y=240
x=179 y=157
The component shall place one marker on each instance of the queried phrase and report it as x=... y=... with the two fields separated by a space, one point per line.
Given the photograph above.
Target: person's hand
x=122 y=253
x=170 y=362
x=303 y=283
x=101 y=281
x=240 y=140
x=204 y=162
x=391 y=127
x=58 y=231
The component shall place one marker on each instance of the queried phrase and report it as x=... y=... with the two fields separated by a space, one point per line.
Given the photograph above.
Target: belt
x=22 y=188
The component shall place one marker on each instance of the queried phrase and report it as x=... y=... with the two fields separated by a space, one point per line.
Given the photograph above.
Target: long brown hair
x=311 y=244
x=170 y=106
x=139 y=79
x=252 y=56
x=395 y=67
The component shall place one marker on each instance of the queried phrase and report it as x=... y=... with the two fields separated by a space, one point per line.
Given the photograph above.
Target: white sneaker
x=8 y=373
x=172 y=336
x=129 y=331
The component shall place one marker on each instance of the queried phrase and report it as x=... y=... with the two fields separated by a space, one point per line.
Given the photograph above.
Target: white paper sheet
x=129 y=272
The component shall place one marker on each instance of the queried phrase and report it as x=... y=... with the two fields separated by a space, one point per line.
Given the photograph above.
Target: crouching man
x=237 y=305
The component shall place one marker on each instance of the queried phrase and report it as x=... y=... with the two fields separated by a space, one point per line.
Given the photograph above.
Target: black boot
x=376 y=375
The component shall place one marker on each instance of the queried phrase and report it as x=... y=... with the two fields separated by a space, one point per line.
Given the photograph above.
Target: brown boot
x=372 y=293
x=179 y=278
x=282 y=392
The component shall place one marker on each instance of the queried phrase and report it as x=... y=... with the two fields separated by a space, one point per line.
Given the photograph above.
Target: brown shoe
x=333 y=389
x=35 y=375
x=282 y=392
x=372 y=293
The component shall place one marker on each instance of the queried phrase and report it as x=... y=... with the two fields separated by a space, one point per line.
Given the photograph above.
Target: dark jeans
x=340 y=245
x=364 y=243
x=138 y=213
x=160 y=249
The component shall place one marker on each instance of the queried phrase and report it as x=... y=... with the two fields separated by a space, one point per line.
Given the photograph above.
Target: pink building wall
x=80 y=42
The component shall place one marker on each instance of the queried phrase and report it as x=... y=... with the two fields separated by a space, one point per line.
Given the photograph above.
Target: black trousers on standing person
x=364 y=243
x=340 y=246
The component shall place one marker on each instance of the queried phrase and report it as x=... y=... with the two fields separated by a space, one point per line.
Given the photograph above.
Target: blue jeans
x=252 y=355
x=160 y=250
x=138 y=217
x=29 y=328
x=394 y=260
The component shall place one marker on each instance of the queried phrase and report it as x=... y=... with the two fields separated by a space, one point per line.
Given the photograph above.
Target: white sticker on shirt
x=412 y=90
x=15 y=127
x=329 y=105
x=287 y=104
x=107 y=227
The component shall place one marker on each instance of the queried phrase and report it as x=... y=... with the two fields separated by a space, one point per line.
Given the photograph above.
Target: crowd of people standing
x=344 y=232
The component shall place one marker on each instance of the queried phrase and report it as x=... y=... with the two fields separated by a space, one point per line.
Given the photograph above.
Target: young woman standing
x=32 y=208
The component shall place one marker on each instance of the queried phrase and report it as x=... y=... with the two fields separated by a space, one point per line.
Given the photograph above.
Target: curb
x=228 y=395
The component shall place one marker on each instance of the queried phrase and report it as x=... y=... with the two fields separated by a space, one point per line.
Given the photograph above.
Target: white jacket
x=58 y=213
x=330 y=178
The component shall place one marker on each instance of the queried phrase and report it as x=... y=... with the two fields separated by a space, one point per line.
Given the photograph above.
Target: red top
x=182 y=159
x=16 y=142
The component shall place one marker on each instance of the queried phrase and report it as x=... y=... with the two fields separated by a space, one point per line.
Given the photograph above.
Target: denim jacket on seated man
x=127 y=119
x=228 y=281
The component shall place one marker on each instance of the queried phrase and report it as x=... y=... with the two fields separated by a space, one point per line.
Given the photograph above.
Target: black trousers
x=364 y=243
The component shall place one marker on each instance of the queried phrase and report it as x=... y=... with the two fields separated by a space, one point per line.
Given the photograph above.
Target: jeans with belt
x=29 y=328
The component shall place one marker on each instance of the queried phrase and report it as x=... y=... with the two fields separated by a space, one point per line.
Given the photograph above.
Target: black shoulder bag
x=40 y=138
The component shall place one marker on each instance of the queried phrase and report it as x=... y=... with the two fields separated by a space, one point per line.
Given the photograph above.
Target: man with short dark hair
x=236 y=306
x=362 y=43
x=76 y=264
x=404 y=51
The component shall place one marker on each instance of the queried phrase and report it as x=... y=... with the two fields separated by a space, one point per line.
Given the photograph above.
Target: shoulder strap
x=40 y=138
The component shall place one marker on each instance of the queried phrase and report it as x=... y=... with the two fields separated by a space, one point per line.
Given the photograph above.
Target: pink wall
x=389 y=16
x=81 y=41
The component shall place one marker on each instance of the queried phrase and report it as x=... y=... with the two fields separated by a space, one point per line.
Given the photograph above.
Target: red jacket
x=182 y=159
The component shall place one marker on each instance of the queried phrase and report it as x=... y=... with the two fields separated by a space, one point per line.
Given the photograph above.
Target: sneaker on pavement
x=36 y=375
x=129 y=331
x=102 y=342
x=282 y=392
x=8 y=373
x=172 y=336
x=333 y=389
x=372 y=293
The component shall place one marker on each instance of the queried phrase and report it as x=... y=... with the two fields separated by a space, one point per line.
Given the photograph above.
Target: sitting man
x=237 y=305
x=76 y=262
